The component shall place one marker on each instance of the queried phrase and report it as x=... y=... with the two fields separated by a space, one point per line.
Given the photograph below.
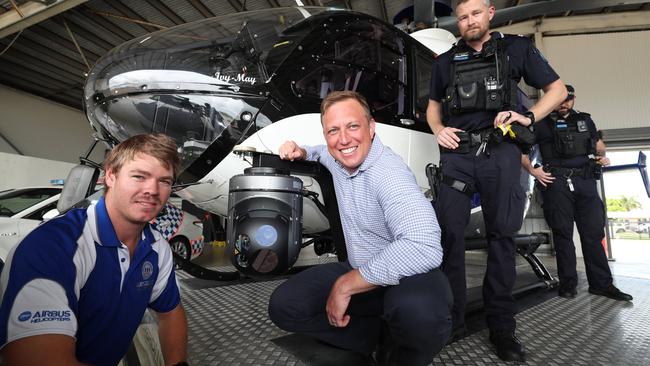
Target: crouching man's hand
x=291 y=151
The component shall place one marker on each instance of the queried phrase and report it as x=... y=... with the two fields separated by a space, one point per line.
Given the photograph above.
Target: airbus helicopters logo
x=45 y=316
x=240 y=78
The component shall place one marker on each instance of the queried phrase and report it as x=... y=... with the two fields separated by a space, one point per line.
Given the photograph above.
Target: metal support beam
x=273 y=3
x=237 y=5
x=85 y=34
x=47 y=81
x=11 y=145
x=166 y=11
x=42 y=65
x=46 y=37
x=541 y=8
x=143 y=23
x=74 y=40
x=595 y=23
x=44 y=53
x=383 y=11
x=130 y=14
x=198 y=5
x=12 y=22
x=101 y=22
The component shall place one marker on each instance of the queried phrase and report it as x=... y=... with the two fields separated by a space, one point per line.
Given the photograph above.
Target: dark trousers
x=496 y=179
x=561 y=208
x=416 y=312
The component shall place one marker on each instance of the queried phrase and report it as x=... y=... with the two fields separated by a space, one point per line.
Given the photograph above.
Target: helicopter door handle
x=406 y=121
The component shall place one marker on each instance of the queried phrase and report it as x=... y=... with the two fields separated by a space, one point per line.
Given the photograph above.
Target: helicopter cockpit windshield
x=198 y=83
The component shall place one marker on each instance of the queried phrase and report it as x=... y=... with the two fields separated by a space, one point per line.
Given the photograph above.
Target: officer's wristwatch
x=530 y=116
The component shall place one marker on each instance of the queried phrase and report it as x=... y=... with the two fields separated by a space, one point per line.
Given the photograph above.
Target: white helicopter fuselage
x=417 y=149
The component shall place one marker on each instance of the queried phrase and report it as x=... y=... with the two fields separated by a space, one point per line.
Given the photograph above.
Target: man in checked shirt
x=393 y=242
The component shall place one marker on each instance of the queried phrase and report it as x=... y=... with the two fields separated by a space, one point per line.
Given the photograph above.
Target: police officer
x=568 y=143
x=473 y=90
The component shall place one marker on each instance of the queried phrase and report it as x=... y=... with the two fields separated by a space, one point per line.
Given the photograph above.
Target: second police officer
x=473 y=89
x=568 y=144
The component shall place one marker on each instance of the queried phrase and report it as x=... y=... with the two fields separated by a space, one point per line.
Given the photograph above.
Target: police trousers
x=561 y=208
x=496 y=179
x=415 y=312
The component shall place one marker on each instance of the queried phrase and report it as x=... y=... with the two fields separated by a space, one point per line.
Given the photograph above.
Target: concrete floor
x=228 y=323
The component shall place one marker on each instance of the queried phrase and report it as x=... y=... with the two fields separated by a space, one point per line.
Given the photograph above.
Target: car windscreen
x=16 y=200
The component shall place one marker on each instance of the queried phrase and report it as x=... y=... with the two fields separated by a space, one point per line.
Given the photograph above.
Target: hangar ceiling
x=48 y=46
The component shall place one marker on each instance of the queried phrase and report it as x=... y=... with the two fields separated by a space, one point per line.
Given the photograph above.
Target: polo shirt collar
x=106 y=235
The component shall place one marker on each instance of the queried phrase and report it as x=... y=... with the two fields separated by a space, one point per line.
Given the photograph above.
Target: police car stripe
x=169 y=223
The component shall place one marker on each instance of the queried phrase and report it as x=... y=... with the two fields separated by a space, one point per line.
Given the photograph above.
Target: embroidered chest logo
x=147 y=270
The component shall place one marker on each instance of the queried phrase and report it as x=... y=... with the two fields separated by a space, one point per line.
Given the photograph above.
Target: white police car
x=23 y=209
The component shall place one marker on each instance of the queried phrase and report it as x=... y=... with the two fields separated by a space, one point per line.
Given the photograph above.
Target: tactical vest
x=479 y=81
x=571 y=138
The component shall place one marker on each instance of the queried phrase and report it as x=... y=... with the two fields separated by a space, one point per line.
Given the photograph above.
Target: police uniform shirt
x=72 y=276
x=544 y=135
x=525 y=61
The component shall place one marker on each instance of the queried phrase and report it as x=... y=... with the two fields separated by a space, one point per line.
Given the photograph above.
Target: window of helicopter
x=423 y=77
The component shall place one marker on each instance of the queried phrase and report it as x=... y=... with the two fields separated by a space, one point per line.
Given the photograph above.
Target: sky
x=628 y=182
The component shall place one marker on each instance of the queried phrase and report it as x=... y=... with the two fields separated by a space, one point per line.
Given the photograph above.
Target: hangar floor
x=228 y=323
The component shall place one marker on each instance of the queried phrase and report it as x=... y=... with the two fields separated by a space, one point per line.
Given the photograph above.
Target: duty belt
x=468 y=140
x=567 y=172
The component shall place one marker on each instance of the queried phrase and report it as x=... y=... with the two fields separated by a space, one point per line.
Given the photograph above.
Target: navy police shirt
x=544 y=135
x=525 y=61
x=72 y=276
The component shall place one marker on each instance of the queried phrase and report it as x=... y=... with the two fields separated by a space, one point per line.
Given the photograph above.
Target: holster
x=434 y=176
x=524 y=137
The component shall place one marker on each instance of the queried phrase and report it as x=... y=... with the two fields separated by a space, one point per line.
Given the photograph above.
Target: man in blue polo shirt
x=75 y=289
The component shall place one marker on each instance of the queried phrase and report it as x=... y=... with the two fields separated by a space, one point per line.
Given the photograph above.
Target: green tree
x=622 y=203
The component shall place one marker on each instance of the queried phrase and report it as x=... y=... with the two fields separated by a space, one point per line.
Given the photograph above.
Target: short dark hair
x=339 y=96
x=161 y=147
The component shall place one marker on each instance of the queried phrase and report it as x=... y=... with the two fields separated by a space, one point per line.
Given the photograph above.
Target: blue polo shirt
x=72 y=276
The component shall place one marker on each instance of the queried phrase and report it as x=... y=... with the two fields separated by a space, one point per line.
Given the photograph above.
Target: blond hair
x=160 y=146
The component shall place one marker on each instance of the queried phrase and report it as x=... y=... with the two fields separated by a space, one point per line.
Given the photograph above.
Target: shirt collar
x=493 y=35
x=571 y=112
x=106 y=235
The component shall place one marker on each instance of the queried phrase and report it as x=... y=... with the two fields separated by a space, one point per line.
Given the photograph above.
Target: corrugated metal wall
x=610 y=72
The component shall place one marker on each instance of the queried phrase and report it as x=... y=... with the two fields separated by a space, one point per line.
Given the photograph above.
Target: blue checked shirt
x=390 y=228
